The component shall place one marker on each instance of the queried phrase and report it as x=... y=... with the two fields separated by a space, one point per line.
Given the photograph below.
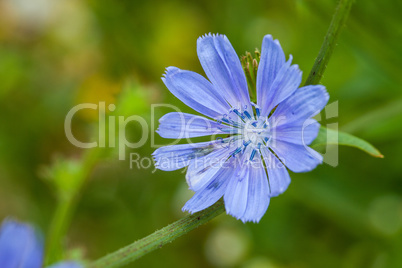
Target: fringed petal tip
x=171 y=70
x=211 y=35
x=290 y=59
x=155 y=159
x=155 y=153
x=324 y=92
x=188 y=209
x=269 y=38
x=321 y=92
x=10 y=223
x=297 y=69
x=191 y=211
x=251 y=220
x=245 y=219
x=293 y=66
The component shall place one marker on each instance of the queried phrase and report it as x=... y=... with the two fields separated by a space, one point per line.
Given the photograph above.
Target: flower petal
x=181 y=125
x=236 y=195
x=202 y=170
x=305 y=103
x=298 y=134
x=258 y=192
x=278 y=175
x=19 y=246
x=285 y=84
x=272 y=60
x=195 y=91
x=297 y=158
x=173 y=157
x=223 y=68
x=212 y=192
x=247 y=193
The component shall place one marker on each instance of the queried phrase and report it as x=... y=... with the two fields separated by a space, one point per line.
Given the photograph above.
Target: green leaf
x=334 y=137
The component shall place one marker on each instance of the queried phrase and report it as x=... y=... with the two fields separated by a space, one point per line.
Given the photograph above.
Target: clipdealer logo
x=110 y=138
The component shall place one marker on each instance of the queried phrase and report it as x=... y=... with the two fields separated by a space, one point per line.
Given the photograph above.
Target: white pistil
x=253 y=132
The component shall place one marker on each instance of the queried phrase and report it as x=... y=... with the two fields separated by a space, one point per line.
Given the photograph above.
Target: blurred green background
x=57 y=54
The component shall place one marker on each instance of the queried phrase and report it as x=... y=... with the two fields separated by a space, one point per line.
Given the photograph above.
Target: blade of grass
x=328 y=136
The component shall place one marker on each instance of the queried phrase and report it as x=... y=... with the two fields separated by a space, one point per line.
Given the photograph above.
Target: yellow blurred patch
x=96 y=89
x=176 y=34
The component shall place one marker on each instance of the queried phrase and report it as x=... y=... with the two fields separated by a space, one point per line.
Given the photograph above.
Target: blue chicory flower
x=248 y=165
x=20 y=247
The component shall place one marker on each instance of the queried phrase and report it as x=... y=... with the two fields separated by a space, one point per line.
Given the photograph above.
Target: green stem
x=166 y=235
x=338 y=21
x=65 y=208
x=58 y=228
x=158 y=239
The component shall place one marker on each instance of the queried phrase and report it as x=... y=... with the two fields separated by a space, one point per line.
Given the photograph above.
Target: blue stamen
x=239 y=114
x=257 y=111
x=247 y=114
x=225 y=120
x=246 y=143
x=238 y=150
x=254 y=124
x=231 y=122
x=252 y=154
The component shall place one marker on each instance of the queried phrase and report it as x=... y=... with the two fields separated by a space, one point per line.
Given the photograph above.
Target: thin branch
x=158 y=239
x=338 y=21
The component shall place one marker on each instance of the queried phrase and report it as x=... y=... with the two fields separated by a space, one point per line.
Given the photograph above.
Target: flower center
x=255 y=131
x=253 y=128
